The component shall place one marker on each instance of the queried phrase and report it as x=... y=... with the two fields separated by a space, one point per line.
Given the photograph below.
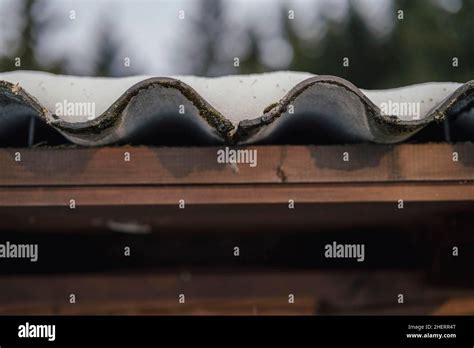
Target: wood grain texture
x=330 y=196
x=276 y=164
x=234 y=194
x=226 y=293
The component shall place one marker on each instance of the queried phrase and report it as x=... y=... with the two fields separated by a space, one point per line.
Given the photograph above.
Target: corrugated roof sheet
x=269 y=108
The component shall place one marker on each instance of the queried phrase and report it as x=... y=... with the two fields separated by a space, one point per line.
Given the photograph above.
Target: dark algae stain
x=465 y=153
x=359 y=156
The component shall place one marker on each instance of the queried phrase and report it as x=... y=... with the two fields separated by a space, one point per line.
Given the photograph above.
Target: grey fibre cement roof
x=316 y=110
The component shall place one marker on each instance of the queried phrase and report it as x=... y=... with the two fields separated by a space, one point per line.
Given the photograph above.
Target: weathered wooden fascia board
x=363 y=163
x=326 y=292
x=234 y=194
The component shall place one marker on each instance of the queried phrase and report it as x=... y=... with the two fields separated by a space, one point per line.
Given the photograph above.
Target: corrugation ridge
x=106 y=128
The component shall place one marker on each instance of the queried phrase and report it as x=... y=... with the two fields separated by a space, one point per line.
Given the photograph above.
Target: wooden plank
x=226 y=306
x=239 y=219
x=223 y=293
x=275 y=164
x=234 y=194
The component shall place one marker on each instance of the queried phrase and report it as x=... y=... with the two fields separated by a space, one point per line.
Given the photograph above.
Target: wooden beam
x=276 y=164
x=234 y=194
x=227 y=293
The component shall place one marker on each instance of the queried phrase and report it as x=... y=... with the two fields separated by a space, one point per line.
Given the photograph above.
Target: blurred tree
x=108 y=54
x=206 y=30
x=251 y=63
x=420 y=48
x=32 y=30
x=208 y=34
x=348 y=49
x=27 y=41
x=426 y=41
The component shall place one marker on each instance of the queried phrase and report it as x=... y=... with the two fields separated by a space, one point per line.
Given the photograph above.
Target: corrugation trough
x=169 y=111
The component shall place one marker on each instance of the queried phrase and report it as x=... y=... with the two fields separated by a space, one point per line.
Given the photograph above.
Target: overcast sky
x=150 y=31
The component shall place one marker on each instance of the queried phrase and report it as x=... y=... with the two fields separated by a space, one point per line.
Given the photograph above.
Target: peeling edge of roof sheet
x=318 y=106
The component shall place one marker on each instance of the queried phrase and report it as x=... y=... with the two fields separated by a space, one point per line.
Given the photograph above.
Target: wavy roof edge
x=163 y=110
